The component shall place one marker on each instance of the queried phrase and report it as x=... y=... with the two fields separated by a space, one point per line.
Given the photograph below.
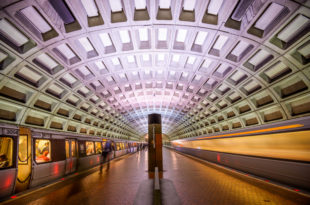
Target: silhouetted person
x=106 y=154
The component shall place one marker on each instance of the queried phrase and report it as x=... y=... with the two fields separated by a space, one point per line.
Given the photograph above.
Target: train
x=30 y=157
x=279 y=153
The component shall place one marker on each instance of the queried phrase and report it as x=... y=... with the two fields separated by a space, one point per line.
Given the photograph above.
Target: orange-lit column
x=155 y=143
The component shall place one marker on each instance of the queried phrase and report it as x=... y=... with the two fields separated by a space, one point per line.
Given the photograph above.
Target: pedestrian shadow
x=76 y=194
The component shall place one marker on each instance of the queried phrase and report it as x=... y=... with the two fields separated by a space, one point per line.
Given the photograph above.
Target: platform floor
x=195 y=183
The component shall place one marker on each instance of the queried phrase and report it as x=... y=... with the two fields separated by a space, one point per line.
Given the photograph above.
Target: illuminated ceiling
x=206 y=65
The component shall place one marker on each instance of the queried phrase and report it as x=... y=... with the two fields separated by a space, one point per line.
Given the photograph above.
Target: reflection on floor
x=195 y=183
x=198 y=183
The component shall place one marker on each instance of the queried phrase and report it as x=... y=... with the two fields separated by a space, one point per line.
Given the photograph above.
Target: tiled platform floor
x=200 y=183
x=116 y=185
x=195 y=183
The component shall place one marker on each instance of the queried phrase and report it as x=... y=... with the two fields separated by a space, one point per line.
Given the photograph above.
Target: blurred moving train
x=280 y=153
x=31 y=157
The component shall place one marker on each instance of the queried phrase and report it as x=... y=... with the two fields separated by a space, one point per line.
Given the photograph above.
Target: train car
x=281 y=157
x=8 y=163
x=31 y=157
x=120 y=148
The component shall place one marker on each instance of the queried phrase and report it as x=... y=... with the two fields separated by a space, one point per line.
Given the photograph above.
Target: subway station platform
x=194 y=182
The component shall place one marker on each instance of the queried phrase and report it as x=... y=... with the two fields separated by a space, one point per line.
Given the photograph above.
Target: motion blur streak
x=257 y=131
x=290 y=145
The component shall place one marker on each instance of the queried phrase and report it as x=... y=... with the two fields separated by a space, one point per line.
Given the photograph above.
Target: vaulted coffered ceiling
x=206 y=65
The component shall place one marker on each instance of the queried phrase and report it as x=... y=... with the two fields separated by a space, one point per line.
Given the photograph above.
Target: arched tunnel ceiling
x=205 y=65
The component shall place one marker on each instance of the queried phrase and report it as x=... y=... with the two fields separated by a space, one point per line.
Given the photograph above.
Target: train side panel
x=44 y=173
x=287 y=172
x=7 y=181
x=89 y=161
x=8 y=163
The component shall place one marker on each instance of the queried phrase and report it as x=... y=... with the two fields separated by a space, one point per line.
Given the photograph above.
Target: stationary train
x=32 y=157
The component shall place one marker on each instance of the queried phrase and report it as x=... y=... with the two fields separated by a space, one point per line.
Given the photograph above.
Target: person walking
x=106 y=154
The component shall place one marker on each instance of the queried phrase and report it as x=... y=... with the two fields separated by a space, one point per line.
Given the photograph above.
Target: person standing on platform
x=106 y=154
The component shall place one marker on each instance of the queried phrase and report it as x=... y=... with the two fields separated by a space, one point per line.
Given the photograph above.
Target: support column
x=155 y=143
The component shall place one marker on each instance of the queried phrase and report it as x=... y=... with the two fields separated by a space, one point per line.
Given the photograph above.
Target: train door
x=24 y=160
x=71 y=155
x=113 y=149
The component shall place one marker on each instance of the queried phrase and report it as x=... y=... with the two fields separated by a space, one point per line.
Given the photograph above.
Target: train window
x=118 y=147
x=73 y=148
x=122 y=146
x=67 y=149
x=103 y=145
x=90 y=149
x=23 y=149
x=6 y=152
x=82 y=148
x=98 y=147
x=43 y=151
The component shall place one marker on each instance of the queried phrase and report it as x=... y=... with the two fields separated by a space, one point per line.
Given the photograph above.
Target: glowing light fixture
x=84 y=90
x=140 y=4
x=207 y=62
x=3 y=56
x=143 y=34
x=237 y=76
x=116 y=5
x=124 y=34
x=105 y=39
x=161 y=57
x=100 y=65
x=115 y=61
x=241 y=46
x=29 y=74
x=293 y=27
x=191 y=60
x=176 y=58
x=181 y=35
x=201 y=37
x=164 y=4
x=259 y=57
x=131 y=59
x=11 y=33
x=66 y=51
x=90 y=7
x=220 y=42
x=145 y=57
x=55 y=89
x=86 y=44
x=214 y=6
x=85 y=71
x=162 y=34
x=46 y=61
x=69 y=78
x=189 y=5
x=36 y=19
x=269 y=15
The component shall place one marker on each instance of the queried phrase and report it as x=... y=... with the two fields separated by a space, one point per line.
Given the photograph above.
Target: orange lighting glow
x=218 y=157
x=56 y=169
x=287 y=145
x=256 y=131
x=8 y=182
